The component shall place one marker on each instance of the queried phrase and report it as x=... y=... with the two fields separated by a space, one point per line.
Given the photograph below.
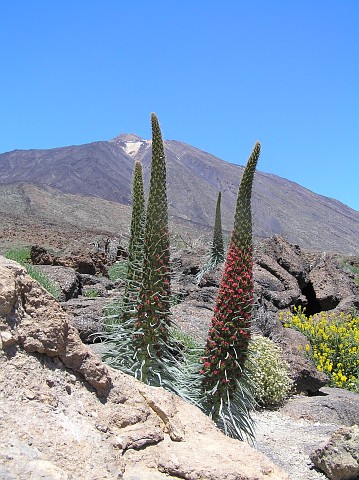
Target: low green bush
x=269 y=372
x=20 y=255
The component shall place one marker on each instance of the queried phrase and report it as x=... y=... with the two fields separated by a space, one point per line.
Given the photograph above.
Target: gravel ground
x=288 y=442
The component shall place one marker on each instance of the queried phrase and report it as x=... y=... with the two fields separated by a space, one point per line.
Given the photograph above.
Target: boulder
x=286 y=276
x=86 y=263
x=86 y=315
x=101 y=284
x=64 y=278
x=339 y=457
x=306 y=378
x=329 y=405
x=286 y=255
x=275 y=284
x=64 y=414
x=40 y=256
x=83 y=263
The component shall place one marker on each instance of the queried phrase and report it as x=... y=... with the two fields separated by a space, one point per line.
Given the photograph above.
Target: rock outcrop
x=64 y=414
x=339 y=457
x=87 y=263
x=285 y=276
x=332 y=405
x=33 y=322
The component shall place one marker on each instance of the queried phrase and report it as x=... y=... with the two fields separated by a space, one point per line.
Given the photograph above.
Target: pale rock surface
x=339 y=457
x=64 y=415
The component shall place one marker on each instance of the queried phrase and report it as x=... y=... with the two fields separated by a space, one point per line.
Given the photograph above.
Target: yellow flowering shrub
x=269 y=372
x=334 y=344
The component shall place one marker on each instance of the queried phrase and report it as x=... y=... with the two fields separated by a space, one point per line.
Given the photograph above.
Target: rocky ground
x=289 y=434
x=286 y=436
x=64 y=415
x=288 y=441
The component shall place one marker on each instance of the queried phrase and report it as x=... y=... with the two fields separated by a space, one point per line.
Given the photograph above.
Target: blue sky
x=219 y=75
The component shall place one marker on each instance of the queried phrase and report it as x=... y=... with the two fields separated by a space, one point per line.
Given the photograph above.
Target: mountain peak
x=127 y=137
x=130 y=143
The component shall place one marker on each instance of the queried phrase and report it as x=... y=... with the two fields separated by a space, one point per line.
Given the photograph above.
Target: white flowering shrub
x=269 y=372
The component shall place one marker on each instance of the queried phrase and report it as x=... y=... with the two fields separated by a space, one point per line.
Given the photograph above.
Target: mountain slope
x=32 y=214
x=280 y=206
x=104 y=169
x=97 y=169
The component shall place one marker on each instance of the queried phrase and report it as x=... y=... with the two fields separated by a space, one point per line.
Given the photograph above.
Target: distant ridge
x=104 y=169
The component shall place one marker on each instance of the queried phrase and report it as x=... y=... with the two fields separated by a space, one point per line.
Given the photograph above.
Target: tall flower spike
x=216 y=254
x=242 y=230
x=135 y=248
x=224 y=383
x=152 y=326
x=217 y=250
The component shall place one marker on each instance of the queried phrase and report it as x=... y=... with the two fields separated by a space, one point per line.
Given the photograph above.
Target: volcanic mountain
x=104 y=170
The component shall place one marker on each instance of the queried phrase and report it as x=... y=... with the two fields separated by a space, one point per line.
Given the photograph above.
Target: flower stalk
x=226 y=351
x=135 y=248
x=153 y=316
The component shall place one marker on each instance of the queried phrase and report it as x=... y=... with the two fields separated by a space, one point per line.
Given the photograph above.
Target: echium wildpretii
x=217 y=250
x=216 y=254
x=135 y=247
x=153 y=319
x=229 y=334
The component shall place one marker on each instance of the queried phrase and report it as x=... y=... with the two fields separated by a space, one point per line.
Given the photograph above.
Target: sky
x=219 y=76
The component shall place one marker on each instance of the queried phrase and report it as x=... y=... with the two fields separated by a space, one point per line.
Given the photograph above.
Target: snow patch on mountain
x=132 y=148
x=130 y=143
